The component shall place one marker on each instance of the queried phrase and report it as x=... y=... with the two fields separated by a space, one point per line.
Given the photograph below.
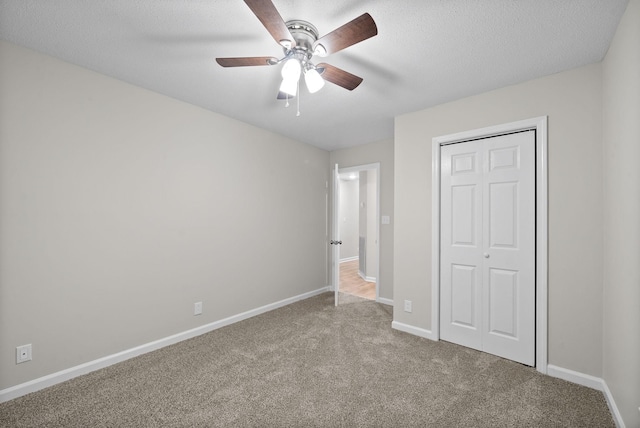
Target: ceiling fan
x=300 y=42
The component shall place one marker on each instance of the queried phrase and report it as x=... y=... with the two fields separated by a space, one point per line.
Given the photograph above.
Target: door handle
x=336 y=242
x=486 y=255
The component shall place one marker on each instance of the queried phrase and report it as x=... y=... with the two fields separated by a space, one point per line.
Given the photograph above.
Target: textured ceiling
x=426 y=52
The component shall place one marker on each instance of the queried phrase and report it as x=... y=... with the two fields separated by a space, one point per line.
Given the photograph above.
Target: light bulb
x=313 y=80
x=291 y=70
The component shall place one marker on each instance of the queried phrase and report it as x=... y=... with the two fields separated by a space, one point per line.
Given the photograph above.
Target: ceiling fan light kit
x=314 y=81
x=300 y=42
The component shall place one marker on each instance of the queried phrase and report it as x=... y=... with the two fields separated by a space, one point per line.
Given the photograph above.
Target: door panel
x=464 y=163
x=503 y=297
x=503 y=215
x=463 y=296
x=509 y=240
x=487 y=250
x=504 y=158
x=461 y=235
x=463 y=214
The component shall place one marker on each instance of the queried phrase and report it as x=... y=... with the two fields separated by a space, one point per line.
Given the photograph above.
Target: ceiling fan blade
x=247 y=61
x=272 y=21
x=361 y=28
x=284 y=96
x=339 y=77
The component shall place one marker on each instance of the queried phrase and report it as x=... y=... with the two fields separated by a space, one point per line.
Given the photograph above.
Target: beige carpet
x=312 y=365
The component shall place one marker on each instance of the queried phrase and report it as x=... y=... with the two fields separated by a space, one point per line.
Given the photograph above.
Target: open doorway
x=358 y=214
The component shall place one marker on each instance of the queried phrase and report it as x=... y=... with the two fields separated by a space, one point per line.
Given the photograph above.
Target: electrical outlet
x=407 y=305
x=197 y=308
x=23 y=354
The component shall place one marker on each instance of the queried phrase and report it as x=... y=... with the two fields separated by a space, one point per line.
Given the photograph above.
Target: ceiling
x=427 y=52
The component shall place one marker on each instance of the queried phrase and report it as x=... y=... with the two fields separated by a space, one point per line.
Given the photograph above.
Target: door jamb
x=376 y=167
x=539 y=124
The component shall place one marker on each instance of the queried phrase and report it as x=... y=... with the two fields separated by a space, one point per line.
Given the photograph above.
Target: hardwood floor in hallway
x=352 y=283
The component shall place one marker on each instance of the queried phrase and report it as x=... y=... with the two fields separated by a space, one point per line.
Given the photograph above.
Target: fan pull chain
x=298 y=91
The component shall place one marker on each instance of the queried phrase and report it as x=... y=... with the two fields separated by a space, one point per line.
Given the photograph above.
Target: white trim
x=349 y=259
x=384 y=301
x=575 y=377
x=590 y=382
x=539 y=124
x=70 y=373
x=416 y=331
x=435 y=238
x=542 y=243
x=366 y=278
x=615 y=412
x=335 y=233
x=366 y=167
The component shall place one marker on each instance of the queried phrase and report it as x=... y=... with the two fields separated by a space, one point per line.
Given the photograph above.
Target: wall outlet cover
x=23 y=353
x=407 y=306
x=197 y=308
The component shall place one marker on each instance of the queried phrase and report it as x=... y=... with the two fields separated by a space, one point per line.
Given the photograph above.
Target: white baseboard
x=590 y=382
x=70 y=373
x=349 y=259
x=366 y=278
x=416 y=331
x=617 y=417
x=384 y=301
x=575 y=377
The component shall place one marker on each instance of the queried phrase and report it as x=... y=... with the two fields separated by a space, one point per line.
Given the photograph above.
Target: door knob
x=486 y=255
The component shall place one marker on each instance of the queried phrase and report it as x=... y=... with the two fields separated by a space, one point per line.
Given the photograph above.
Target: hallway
x=352 y=283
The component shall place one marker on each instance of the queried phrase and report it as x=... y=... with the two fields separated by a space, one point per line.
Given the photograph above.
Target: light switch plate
x=386 y=219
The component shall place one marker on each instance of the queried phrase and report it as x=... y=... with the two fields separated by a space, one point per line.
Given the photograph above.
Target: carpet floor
x=311 y=364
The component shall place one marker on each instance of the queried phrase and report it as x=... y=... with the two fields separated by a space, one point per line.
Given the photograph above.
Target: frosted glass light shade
x=314 y=81
x=291 y=70
x=289 y=86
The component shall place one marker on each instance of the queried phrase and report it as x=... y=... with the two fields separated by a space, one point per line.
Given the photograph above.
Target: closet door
x=487 y=248
x=461 y=243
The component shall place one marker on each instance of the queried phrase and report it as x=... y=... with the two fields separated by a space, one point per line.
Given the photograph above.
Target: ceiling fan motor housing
x=305 y=35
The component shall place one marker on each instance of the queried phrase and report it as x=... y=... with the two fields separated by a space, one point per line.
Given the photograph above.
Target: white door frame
x=539 y=124
x=335 y=235
x=359 y=168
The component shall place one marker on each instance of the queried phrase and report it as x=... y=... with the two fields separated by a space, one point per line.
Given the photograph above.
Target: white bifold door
x=487 y=245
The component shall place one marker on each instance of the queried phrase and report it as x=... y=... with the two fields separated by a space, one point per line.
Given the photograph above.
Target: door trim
x=539 y=124
x=358 y=168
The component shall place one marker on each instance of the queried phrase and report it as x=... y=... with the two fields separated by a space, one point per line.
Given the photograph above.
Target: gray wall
x=381 y=152
x=573 y=102
x=372 y=222
x=363 y=197
x=120 y=208
x=621 y=97
x=349 y=218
